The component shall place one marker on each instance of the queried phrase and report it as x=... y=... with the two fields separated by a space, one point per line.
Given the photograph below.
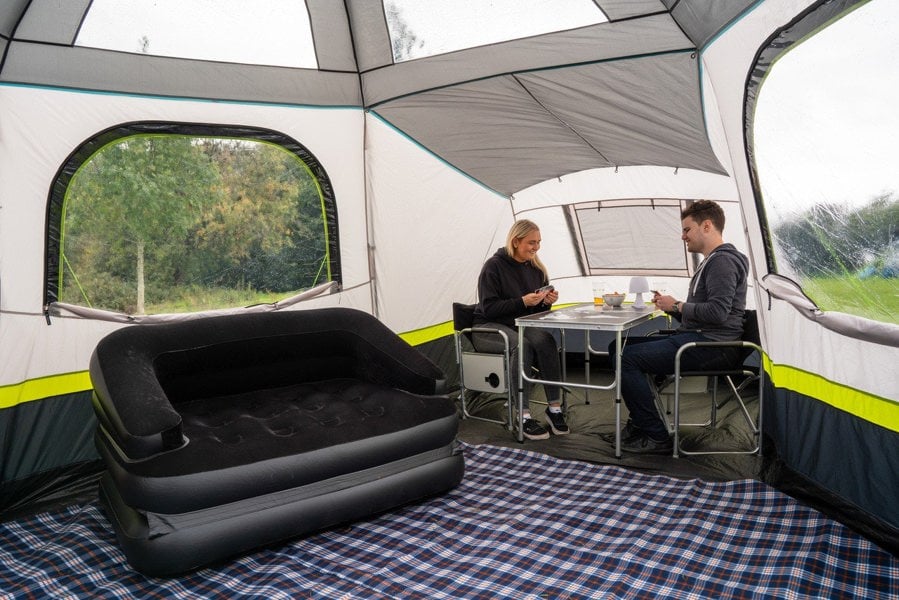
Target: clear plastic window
x=274 y=32
x=420 y=29
x=825 y=134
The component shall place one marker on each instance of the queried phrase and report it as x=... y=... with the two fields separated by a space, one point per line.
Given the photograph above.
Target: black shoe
x=557 y=423
x=627 y=432
x=533 y=430
x=643 y=444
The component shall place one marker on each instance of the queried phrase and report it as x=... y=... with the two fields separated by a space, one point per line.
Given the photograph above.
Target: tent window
x=419 y=29
x=158 y=218
x=274 y=32
x=825 y=131
x=630 y=237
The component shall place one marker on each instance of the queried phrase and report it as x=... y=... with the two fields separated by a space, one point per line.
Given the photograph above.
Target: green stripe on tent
x=44 y=387
x=416 y=337
x=877 y=410
x=869 y=407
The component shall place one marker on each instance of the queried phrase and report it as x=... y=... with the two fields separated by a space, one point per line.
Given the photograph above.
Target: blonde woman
x=509 y=287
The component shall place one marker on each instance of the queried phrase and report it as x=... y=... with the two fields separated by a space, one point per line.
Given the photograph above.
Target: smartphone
x=545 y=288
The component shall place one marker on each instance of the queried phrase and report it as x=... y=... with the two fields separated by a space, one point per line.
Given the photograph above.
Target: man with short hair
x=713 y=311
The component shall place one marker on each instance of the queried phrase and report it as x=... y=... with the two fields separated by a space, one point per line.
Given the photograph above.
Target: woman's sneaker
x=534 y=431
x=557 y=422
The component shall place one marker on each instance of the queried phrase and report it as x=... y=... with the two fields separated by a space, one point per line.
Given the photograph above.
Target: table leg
x=520 y=418
x=564 y=364
x=587 y=365
x=617 y=394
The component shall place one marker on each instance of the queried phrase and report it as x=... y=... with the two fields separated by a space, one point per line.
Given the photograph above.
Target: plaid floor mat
x=521 y=525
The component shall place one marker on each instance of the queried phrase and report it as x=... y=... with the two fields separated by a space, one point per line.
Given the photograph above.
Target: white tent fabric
x=431 y=160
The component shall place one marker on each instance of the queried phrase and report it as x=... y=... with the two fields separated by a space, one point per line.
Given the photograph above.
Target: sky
x=279 y=29
x=827 y=124
x=447 y=25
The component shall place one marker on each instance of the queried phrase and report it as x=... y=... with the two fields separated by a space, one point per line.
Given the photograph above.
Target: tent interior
x=164 y=160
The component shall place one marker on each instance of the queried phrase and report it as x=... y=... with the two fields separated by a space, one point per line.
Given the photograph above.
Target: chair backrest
x=751 y=327
x=463 y=315
x=750 y=334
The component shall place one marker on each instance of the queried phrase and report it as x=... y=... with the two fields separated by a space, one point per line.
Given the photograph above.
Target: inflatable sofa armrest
x=131 y=406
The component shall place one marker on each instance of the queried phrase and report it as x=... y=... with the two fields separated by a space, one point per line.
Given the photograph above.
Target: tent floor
x=589 y=421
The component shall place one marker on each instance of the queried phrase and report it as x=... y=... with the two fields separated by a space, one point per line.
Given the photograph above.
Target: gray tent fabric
x=517 y=128
x=639 y=70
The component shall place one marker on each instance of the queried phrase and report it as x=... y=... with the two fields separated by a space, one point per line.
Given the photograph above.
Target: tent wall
x=834 y=416
x=425 y=258
x=41 y=127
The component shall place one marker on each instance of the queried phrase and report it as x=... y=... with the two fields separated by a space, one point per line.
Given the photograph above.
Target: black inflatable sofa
x=222 y=434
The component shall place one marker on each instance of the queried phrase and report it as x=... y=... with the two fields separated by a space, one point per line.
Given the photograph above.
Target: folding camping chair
x=481 y=371
x=748 y=344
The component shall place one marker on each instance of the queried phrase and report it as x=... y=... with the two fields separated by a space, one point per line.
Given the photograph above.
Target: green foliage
x=156 y=220
x=830 y=239
x=840 y=256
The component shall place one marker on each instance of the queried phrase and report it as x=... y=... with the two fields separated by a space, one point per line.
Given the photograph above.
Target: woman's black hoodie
x=501 y=284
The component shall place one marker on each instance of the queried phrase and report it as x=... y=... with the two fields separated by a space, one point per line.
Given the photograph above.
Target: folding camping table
x=584 y=317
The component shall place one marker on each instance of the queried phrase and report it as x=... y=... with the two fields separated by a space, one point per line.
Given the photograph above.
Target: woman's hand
x=535 y=298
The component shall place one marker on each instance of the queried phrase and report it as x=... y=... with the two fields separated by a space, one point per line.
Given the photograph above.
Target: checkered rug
x=520 y=525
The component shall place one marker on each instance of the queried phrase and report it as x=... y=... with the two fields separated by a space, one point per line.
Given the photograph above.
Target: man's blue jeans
x=654 y=355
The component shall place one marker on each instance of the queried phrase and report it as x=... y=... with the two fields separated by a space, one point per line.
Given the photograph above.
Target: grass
x=874 y=298
x=196 y=299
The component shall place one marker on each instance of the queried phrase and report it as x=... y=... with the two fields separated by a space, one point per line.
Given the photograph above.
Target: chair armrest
x=749 y=346
x=662 y=332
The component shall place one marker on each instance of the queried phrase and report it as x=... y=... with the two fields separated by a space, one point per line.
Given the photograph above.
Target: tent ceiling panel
x=52 y=22
x=627 y=9
x=494 y=131
x=370 y=34
x=702 y=19
x=514 y=132
x=331 y=34
x=87 y=68
x=10 y=13
x=597 y=43
x=636 y=112
x=507 y=158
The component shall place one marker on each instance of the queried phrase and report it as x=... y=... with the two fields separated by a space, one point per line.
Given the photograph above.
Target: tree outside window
x=179 y=223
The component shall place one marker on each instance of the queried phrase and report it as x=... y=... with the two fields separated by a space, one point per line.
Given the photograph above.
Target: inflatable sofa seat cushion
x=243 y=445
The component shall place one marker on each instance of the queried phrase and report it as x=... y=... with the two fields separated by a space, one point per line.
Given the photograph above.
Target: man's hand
x=665 y=303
